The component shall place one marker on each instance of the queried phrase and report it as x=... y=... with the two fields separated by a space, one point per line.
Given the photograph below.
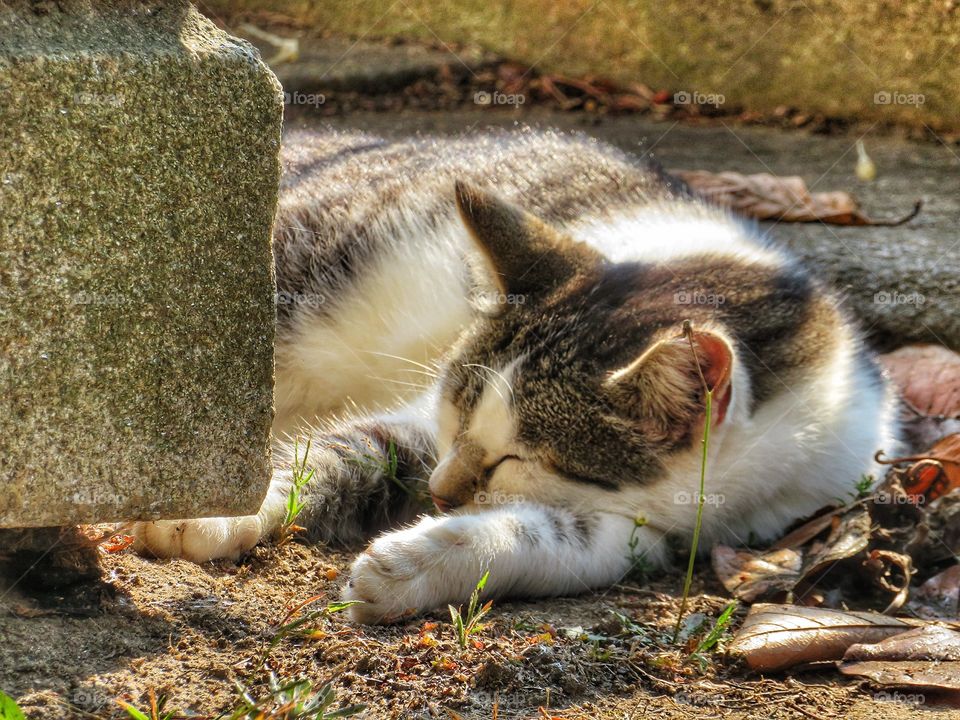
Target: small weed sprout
x=292 y=700
x=303 y=626
x=694 y=543
x=717 y=632
x=295 y=501
x=467 y=625
x=639 y=566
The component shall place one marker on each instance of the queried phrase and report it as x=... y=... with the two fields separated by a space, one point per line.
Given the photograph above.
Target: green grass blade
x=688 y=581
x=9 y=710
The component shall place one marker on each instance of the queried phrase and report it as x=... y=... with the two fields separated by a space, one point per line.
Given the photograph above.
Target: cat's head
x=578 y=375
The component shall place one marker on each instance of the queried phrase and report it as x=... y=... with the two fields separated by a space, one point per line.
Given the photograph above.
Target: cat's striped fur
x=549 y=298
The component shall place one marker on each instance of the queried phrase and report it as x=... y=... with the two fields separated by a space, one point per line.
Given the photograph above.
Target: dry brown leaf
x=930 y=475
x=800 y=559
x=747 y=575
x=769 y=197
x=928 y=377
x=774 y=637
x=922 y=657
x=808 y=531
x=892 y=572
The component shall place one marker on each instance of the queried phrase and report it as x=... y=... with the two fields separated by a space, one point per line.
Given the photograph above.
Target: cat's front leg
x=529 y=551
x=364 y=476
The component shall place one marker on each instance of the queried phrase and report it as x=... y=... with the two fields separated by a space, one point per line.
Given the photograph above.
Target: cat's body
x=570 y=402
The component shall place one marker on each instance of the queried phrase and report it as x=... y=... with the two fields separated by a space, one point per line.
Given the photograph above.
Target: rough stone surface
x=138 y=178
x=902 y=282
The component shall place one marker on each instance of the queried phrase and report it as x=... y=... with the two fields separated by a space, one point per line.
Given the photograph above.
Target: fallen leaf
x=800 y=567
x=929 y=475
x=892 y=572
x=427 y=640
x=928 y=377
x=926 y=656
x=748 y=575
x=117 y=543
x=774 y=637
x=769 y=197
x=807 y=532
x=849 y=535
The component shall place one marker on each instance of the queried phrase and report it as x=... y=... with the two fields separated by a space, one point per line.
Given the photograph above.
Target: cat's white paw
x=197 y=540
x=407 y=572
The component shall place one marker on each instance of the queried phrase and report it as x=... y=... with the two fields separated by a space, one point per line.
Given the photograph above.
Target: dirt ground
x=193 y=633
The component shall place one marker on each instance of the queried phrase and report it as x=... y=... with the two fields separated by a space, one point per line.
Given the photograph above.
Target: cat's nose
x=442 y=504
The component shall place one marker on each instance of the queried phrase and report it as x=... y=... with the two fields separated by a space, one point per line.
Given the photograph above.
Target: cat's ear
x=524 y=254
x=662 y=390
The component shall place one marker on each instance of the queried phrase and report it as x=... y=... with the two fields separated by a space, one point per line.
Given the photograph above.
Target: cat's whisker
x=418 y=386
x=427 y=368
x=488 y=380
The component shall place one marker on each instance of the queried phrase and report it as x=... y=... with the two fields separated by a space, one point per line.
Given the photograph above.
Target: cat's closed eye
x=491 y=468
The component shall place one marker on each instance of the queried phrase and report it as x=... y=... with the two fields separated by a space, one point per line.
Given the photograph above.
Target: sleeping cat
x=499 y=319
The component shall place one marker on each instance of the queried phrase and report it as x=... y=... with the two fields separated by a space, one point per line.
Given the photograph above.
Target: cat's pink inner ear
x=662 y=390
x=716 y=363
x=716 y=359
